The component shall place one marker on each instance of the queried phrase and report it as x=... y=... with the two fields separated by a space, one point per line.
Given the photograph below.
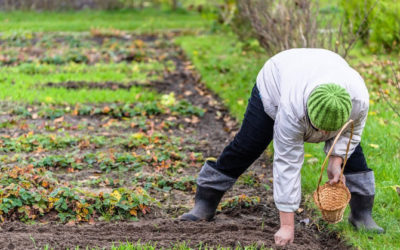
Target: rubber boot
x=361 y=213
x=362 y=189
x=211 y=186
x=206 y=203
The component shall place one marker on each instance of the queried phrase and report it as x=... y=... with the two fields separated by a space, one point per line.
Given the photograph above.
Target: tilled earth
x=94 y=149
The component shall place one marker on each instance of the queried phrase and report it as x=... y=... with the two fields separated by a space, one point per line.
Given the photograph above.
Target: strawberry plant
x=58 y=161
x=24 y=192
x=69 y=205
x=240 y=201
x=123 y=203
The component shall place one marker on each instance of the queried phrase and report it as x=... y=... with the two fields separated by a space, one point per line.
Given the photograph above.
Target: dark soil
x=254 y=226
x=232 y=227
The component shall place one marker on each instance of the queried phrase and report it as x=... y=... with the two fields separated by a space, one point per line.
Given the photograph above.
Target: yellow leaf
x=168 y=100
x=373 y=145
x=116 y=195
x=133 y=212
x=308 y=155
x=372 y=113
x=138 y=135
x=45 y=184
x=395 y=187
x=211 y=159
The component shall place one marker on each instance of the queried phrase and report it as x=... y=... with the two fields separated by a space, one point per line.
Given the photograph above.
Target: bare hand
x=334 y=169
x=284 y=236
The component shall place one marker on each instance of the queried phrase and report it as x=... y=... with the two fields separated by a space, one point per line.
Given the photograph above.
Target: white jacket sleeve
x=359 y=115
x=288 y=160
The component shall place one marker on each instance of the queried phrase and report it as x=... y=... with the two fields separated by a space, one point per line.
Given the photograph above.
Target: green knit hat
x=329 y=107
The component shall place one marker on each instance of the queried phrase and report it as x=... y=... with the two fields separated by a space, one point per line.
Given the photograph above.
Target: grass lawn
x=148 y=20
x=230 y=71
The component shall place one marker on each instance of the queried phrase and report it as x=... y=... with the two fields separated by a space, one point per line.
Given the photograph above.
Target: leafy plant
x=382 y=26
x=240 y=201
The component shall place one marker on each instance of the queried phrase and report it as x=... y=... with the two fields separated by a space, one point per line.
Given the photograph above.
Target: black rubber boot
x=361 y=209
x=206 y=202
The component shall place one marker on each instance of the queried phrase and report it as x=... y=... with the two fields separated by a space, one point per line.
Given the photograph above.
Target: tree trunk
x=174 y=4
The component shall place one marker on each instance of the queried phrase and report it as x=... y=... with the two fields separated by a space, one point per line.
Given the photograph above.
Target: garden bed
x=123 y=167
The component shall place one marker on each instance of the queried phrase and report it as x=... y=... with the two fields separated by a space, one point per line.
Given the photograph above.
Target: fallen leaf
x=312 y=160
x=58 y=120
x=106 y=109
x=195 y=119
x=133 y=212
x=71 y=223
x=373 y=145
x=91 y=221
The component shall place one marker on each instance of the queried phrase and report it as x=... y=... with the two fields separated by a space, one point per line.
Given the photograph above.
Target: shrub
x=284 y=24
x=383 y=24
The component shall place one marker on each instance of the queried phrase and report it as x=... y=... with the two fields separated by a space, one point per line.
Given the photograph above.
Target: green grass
x=25 y=82
x=174 y=246
x=230 y=71
x=148 y=20
x=181 y=246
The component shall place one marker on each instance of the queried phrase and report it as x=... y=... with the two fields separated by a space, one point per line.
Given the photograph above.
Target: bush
x=383 y=24
x=281 y=25
x=285 y=24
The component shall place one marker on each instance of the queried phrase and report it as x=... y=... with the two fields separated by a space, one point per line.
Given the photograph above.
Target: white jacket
x=285 y=82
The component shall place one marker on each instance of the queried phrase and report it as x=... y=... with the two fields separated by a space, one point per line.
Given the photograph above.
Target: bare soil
x=251 y=226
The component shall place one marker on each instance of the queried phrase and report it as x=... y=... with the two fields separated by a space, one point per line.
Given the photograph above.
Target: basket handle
x=331 y=149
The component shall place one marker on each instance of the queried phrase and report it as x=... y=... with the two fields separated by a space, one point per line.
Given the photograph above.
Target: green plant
x=58 y=161
x=240 y=201
x=382 y=26
x=123 y=203
x=69 y=205
x=24 y=192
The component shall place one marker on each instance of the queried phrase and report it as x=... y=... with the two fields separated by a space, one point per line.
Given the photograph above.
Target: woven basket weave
x=333 y=199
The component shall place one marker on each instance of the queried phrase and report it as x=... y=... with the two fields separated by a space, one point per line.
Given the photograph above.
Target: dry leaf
x=58 y=120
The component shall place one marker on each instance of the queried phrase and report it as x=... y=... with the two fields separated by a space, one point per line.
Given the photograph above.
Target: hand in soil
x=334 y=170
x=284 y=236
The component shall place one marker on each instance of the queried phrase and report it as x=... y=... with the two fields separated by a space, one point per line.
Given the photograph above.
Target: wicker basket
x=333 y=199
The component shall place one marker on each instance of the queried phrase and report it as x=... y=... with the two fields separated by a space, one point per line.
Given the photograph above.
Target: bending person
x=301 y=95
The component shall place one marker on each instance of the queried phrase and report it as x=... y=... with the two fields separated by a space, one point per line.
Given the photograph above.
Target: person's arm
x=359 y=114
x=288 y=160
